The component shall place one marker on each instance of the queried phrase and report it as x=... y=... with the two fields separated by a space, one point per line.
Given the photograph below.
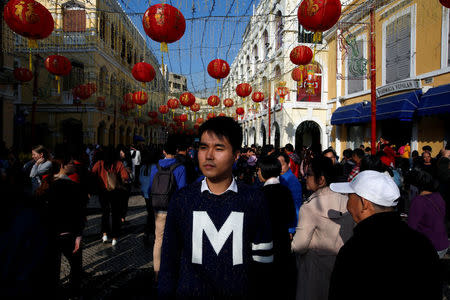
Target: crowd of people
x=227 y=221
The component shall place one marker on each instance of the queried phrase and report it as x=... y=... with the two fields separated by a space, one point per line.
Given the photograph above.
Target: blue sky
x=213 y=30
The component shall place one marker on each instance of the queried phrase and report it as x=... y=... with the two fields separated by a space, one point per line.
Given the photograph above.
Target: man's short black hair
x=285 y=156
x=171 y=145
x=348 y=153
x=224 y=127
x=427 y=148
x=359 y=152
x=270 y=166
x=328 y=151
x=289 y=147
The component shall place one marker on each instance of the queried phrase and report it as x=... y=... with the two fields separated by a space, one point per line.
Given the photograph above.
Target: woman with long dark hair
x=111 y=174
x=324 y=225
x=41 y=166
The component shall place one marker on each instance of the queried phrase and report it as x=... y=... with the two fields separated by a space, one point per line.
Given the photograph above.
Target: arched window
x=277 y=72
x=279 y=30
x=266 y=43
x=102 y=27
x=113 y=36
x=74 y=17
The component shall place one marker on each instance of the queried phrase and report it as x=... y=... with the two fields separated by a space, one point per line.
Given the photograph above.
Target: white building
x=263 y=61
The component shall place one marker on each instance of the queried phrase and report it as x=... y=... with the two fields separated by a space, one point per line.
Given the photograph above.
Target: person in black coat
x=283 y=216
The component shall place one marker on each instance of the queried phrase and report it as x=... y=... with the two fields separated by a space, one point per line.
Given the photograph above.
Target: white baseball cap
x=374 y=186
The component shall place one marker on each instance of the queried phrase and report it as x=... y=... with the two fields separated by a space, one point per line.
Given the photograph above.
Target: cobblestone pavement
x=125 y=271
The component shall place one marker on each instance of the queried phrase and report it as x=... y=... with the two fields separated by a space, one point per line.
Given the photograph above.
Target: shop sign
x=411 y=84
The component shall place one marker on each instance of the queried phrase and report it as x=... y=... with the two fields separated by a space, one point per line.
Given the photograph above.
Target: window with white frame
x=398 y=49
x=356 y=66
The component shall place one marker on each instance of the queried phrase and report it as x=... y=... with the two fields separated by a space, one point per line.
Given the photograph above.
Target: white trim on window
x=444 y=37
x=412 y=10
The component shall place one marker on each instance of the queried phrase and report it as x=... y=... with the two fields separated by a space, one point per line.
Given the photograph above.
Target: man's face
x=426 y=157
x=331 y=156
x=356 y=158
x=215 y=156
x=354 y=207
x=284 y=164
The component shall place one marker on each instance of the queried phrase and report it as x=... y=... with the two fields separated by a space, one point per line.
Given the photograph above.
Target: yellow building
x=412 y=74
x=103 y=45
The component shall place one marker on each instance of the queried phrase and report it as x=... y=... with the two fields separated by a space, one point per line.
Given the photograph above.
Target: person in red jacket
x=294 y=160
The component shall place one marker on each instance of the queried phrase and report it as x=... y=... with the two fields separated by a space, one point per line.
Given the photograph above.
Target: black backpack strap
x=174 y=166
x=158 y=167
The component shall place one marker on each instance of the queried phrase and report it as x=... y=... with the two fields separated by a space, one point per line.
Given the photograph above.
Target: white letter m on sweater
x=202 y=222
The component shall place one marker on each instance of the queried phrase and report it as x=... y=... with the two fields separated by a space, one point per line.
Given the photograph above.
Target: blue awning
x=347 y=114
x=435 y=101
x=138 y=138
x=401 y=107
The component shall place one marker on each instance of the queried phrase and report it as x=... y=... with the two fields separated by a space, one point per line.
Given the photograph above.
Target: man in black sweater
x=217 y=240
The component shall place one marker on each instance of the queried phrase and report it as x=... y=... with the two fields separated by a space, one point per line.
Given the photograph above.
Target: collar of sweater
x=272 y=180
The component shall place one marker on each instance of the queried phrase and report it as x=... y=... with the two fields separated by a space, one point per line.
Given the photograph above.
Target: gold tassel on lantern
x=58 y=81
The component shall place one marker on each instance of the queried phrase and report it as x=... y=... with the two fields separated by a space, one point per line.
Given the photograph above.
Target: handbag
x=114 y=180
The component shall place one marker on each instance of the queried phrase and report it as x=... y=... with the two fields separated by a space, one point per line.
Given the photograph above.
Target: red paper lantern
x=218 y=69
x=164 y=23
x=200 y=120
x=58 y=65
x=240 y=111
x=298 y=73
x=315 y=15
x=257 y=97
x=82 y=91
x=152 y=114
x=143 y=72
x=183 y=118
x=445 y=3
x=210 y=115
x=187 y=99
x=228 y=102
x=195 y=107
x=196 y=126
x=243 y=90
x=28 y=18
x=222 y=115
x=213 y=100
x=23 y=74
x=164 y=109
x=92 y=86
x=140 y=98
x=301 y=55
x=173 y=103
x=124 y=108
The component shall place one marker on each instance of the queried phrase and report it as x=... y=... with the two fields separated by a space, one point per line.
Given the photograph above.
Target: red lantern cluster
x=243 y=90
x=140 y=98
x=58 y=65
x=173 y=103
x=195 y=107
x=301 y=55
x=213 y=100
x=152 y=114
x=143 y=72
x=228 y=102
x=222 y=115
x=200 y=120
x=23 y=74
x=240 y=111
x=28 y=18
x=164 y=23
x=319 y=15
x=210 y=115
x=218 y=69
x=187 y=99
x=257 y=97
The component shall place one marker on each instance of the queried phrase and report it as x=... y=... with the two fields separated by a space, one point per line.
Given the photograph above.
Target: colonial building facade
x=103 y=45
x=263 y=62
x=412 y=74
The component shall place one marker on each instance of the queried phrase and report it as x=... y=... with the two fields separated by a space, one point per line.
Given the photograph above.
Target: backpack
x=163 y=186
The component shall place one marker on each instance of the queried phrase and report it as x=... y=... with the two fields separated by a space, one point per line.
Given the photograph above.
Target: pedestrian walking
x=217 y=240
x=167 y=176
x=383 y=250
x=111 y=174
x=283 y=217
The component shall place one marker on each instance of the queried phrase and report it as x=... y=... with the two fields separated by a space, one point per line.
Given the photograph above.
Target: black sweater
x=214 y=245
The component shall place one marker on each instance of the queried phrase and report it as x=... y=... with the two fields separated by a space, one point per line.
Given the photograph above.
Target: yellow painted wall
x=332 y=69
x=431 y=131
